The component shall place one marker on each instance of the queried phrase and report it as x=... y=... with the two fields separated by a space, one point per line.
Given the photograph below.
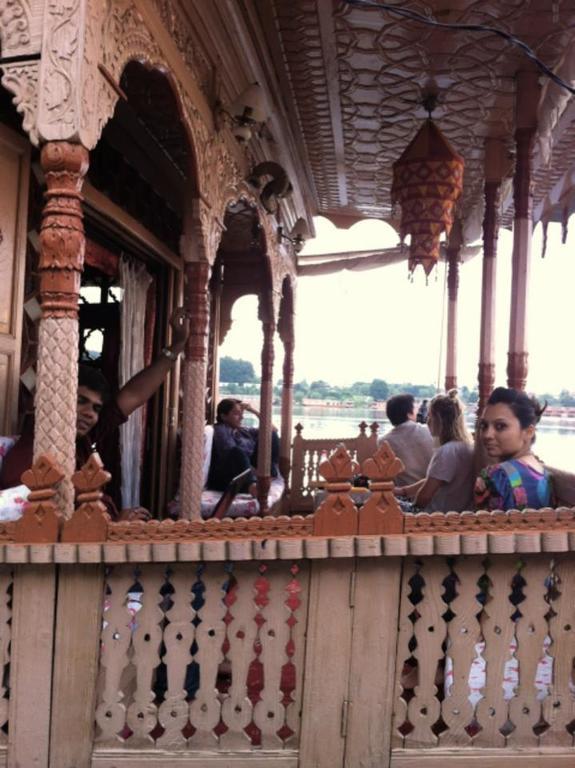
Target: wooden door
x=14 y=173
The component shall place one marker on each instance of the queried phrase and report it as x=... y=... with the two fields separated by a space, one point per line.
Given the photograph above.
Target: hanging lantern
x=427 y=181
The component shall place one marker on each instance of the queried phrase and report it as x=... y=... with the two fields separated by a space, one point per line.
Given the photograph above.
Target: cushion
x=243 y=505
x=12 y=500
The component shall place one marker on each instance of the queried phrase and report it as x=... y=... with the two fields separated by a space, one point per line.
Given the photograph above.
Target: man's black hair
x=398 y=408
x=95 y=380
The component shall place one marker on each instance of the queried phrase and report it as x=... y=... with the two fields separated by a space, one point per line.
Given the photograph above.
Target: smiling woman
x=507 y=429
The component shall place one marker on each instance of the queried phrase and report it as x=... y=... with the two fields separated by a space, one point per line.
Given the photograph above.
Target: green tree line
x=239 y=376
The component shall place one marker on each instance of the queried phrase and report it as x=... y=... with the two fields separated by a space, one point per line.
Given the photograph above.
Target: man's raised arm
x=144 y=384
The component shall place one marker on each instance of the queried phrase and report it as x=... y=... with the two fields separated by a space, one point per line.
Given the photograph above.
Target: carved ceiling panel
x=358 y=76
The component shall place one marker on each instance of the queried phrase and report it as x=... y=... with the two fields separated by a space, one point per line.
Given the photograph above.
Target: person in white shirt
x=411 y=442
x=448 y=485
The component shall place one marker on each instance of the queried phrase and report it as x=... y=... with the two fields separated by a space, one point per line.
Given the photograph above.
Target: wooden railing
x=307 y=455
x=345 y=638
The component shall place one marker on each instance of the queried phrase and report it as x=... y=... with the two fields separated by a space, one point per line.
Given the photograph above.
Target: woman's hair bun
x=538 y=408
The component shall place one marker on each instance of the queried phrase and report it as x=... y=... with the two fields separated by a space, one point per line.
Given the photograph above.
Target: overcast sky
x=357 y=326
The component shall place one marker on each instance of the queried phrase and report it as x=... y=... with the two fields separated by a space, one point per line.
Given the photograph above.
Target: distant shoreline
x=552 y=412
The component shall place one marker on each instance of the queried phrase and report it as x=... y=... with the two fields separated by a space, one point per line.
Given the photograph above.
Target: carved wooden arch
x=270 y=297
x=126 y=38
x=272 y=250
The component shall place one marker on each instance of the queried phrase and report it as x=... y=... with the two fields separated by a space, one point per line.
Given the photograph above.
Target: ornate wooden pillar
x=213 y=370
x=197 y=302
x=62 y=245
x=527 y=100
x=494 y=170
x=453 y=253
x=286 y=332
x=266 y=402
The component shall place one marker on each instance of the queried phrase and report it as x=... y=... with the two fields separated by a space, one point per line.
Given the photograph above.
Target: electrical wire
x=455 y=27
x=442 y=329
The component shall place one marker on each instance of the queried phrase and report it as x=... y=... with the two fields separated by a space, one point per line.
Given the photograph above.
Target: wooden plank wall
x=391 y=661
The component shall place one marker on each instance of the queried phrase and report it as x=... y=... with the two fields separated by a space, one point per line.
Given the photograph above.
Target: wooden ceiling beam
x=325 y=10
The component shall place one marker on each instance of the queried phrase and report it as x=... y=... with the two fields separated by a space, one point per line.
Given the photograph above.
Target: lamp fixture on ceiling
x=427 y=182
x=278 y=187
x=244 y=113
x=297 y=236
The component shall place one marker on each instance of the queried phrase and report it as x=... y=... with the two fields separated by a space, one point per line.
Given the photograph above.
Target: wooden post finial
x=337 y=514
x=90 y=520
x=40 y=521
x=381 y=513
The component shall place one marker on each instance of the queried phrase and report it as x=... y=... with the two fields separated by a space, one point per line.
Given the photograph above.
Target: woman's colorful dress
x=512 y=485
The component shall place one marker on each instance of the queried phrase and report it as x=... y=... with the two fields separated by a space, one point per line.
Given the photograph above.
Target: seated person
x=448 y=484
x=235 y=448
x=98 y=413
x=517 y=479
x=411 y=442
x=421 y=417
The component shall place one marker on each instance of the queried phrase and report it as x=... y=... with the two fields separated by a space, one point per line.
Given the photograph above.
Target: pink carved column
x=453 y=253
x=526 y=125
x=62 y=244
x=214 y=341
x=286 y=332
x=197 y=302
x=494 y=169
x=266 y=401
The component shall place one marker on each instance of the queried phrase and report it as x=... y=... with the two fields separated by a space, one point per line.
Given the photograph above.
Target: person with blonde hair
x=448 y=485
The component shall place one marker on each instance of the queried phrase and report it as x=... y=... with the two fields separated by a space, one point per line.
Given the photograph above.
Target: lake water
x=555 y=441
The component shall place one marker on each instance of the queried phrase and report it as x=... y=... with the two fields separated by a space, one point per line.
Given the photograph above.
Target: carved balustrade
x=202 y=656
x=308 y=453
x=354 y=631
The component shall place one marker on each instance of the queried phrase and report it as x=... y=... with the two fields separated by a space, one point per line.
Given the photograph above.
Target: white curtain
x=135 y=280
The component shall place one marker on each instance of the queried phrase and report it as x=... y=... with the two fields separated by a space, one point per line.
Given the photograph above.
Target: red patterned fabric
x=101 y=258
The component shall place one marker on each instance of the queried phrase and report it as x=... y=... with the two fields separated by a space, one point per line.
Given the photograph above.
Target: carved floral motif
x=91 y=77
x=62 y=35
x=22 y=80
x=126 y=37
x=14 y=24
x=193 y=53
